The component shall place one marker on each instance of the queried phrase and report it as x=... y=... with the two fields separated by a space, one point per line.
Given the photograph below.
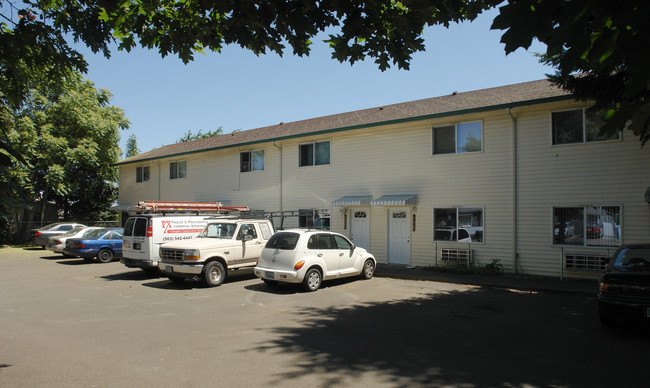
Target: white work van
x=144 y=233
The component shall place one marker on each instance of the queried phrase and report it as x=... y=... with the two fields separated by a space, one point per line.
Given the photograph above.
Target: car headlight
x=191 y=254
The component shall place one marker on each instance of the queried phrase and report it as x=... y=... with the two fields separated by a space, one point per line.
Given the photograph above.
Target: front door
x=360 y=228
x=399 y=237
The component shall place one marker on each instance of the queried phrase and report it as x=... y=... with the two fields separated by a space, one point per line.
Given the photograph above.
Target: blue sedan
x=105 y=244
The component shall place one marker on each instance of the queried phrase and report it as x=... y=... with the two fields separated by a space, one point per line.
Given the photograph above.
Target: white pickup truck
x=225 y=244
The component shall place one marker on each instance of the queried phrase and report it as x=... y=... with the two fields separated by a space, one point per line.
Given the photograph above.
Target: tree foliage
x=131 y=147
x=69 y=141
x=599 y=49
x=189 y=136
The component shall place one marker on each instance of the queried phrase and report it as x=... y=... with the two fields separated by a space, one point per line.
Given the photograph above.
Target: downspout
x=158 y=163
x=281 y=199
x=514 y=190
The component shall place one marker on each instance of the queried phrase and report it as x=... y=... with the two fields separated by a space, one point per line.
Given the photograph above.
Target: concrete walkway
x=506 y=281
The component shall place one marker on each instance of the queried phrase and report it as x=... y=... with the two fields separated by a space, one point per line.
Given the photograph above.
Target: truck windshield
x=219 y=230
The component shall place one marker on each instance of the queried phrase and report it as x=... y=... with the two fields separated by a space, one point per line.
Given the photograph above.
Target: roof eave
x=361 y=126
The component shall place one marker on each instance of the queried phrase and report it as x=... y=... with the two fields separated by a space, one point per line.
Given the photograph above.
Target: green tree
x=189 y=136
x=131 y=147
x=69 y=140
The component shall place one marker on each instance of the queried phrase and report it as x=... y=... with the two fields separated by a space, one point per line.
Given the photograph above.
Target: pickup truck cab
x=225 y=244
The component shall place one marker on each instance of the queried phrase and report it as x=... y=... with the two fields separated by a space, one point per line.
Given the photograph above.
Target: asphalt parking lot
x=65 y=322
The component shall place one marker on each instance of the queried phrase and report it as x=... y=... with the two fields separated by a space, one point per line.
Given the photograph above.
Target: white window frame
x=584 y=129
x=250 y=160
x=174 y=171
x=313 y=161
x=458 y=225
x=140 y=175
x=456 y=145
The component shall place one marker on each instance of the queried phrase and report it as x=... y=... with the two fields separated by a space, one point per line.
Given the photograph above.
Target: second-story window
x=177 y=169
x=314 y=154
x=251 y=161
x=578 y=126
x=458 y=138
x=142 y=174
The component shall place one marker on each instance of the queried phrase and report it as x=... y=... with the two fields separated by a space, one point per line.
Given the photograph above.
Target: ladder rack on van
x=179 y=206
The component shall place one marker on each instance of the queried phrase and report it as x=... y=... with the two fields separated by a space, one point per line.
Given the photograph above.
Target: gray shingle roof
x=526 y=93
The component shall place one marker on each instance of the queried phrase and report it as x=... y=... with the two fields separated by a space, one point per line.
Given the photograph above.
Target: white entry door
x=360 y=228
x=399 y=237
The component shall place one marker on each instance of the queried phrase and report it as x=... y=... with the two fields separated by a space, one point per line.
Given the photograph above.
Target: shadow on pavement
x=475 y=338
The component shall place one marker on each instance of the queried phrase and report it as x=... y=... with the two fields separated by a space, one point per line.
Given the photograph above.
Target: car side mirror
x=247 y=237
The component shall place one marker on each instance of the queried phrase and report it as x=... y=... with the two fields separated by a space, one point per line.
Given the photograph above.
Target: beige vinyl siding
x=608 y=173
x=397 y=159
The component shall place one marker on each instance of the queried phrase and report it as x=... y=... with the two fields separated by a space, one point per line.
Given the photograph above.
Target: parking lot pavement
x=65 y=322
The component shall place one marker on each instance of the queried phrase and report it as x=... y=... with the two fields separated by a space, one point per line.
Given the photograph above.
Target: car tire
x=312 y=280
x=214 y=273
x=368 y=269
x=105 y=255
x=270 y=283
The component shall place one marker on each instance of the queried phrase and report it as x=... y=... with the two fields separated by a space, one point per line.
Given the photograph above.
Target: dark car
x=625 y=286
x=40 y=235
x=105 y=244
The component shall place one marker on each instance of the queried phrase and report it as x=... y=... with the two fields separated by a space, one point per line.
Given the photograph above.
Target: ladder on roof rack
x=170 y=206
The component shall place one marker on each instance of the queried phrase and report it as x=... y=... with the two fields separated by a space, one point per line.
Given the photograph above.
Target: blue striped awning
x=352 y=200
x=396 y=200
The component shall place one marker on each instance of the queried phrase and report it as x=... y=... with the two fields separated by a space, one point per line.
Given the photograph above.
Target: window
x=459 y=138
x=462 y=224
x=177 y=170
x=142 y=174
x=283 y=240
x=314 y=154
x=314 y=218
x=578 y=126
x=251 y=161
x=247 y=230
x=587 y=226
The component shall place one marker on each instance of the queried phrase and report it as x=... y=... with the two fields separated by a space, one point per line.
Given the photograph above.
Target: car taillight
x=299 y=265
x=149 y=231
x=603 y=287
x=36 y=234
x=57 y=242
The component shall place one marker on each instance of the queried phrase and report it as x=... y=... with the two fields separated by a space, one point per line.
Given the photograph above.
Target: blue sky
x=234 y=89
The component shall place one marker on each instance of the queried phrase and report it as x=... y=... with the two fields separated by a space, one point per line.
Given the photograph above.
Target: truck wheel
x=214 y=274
x=105 y=255
x=312 y=280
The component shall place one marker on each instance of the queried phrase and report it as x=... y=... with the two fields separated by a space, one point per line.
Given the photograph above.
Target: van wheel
x=214 y=274
x=368 y=269
x=105 y=255
x=312 y=280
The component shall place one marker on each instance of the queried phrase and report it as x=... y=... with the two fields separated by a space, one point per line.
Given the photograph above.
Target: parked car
x=56 y=244
x=593 y=230
x=450 y=235
x=311 y=256
x=40 y=235
x=104 y=244
x=625 y=286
